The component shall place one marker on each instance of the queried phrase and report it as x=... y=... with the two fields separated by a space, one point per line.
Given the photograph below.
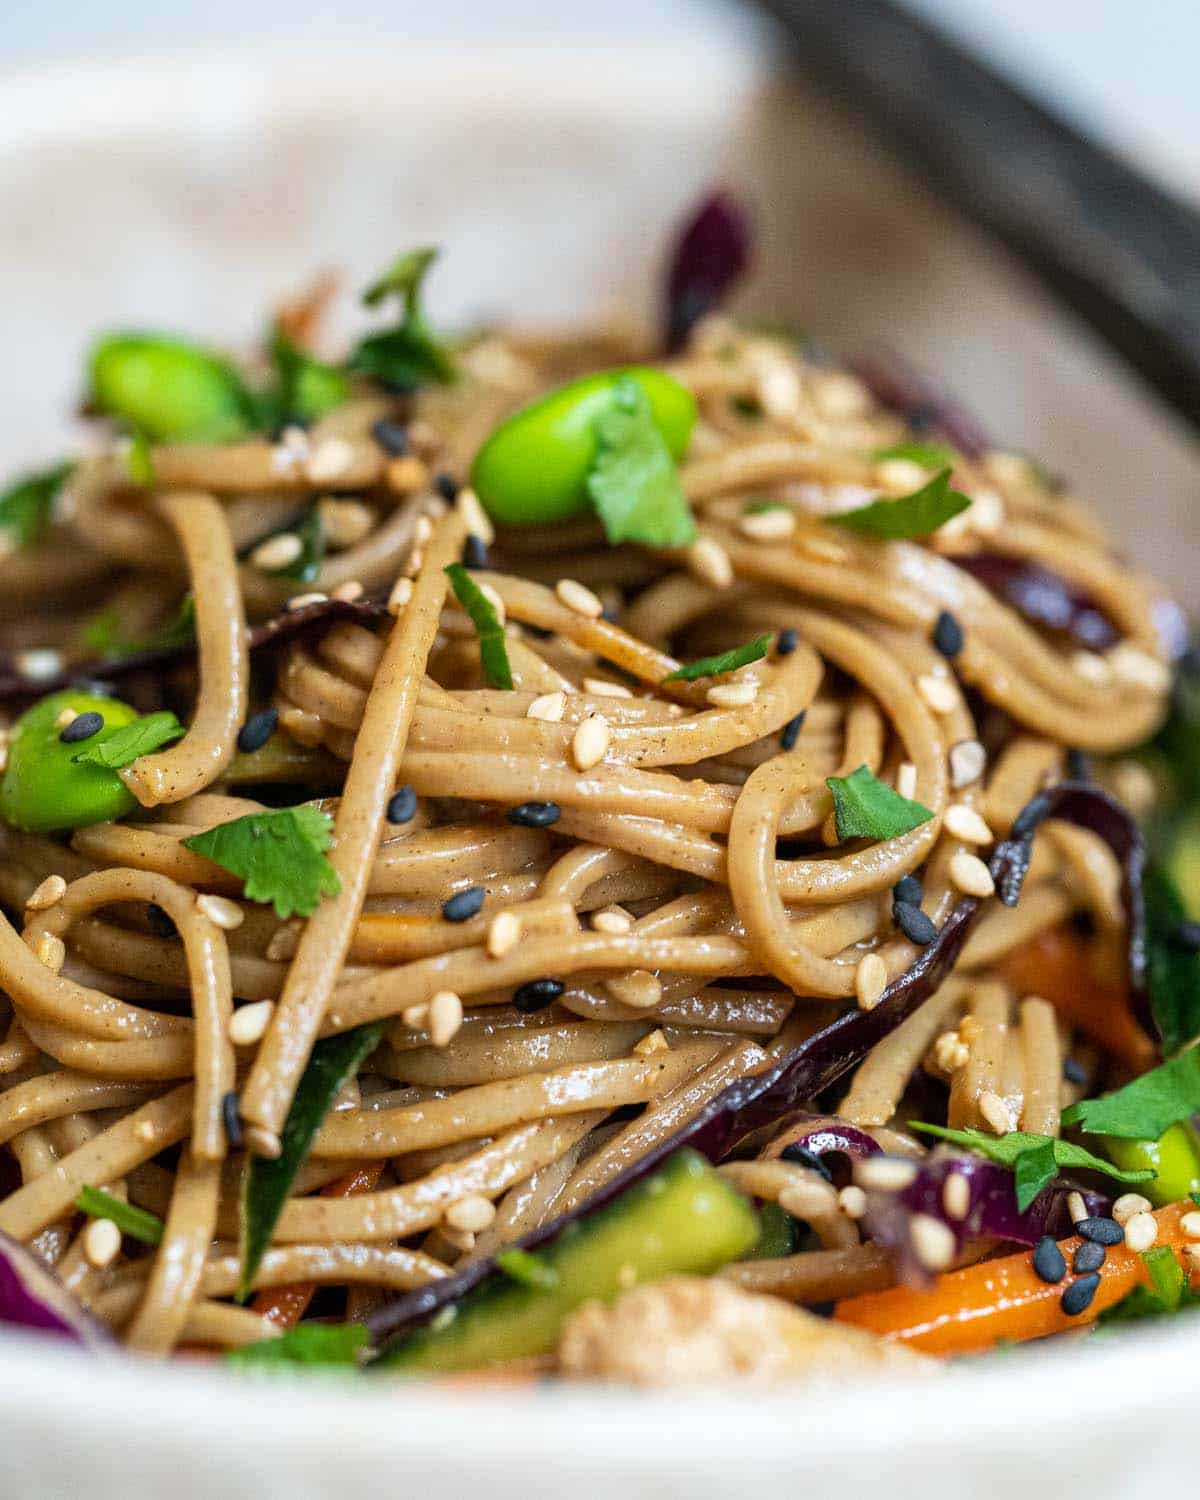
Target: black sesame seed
x=391 y=436
x=803 y=1157
x=1078 y=1296
x=160 y=924
x=1187 y=934
x=537 y=994
x=402 y=805
x=791 y=732
x=923 y=417
x=914 y=924
x=535 y=814
x=907 y=889
x=232 y=1119
x=1074 y=1072
x=475 y=552
x=1100 y=1231
x=948 y=635
x=1089 y=1257
x=1049 y=1261
x=786 y=642
x=446 y=486
x=257 y=730
x=82 y=727
x=465 y=905
x=1079 y=767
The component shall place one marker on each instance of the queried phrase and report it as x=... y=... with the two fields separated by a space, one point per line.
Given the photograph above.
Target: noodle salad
x=589 y=855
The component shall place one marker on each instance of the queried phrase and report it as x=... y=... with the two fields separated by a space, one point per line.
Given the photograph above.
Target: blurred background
x=187 y=164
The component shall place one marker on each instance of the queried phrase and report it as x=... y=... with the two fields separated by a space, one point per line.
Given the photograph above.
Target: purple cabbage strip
x=710 y=255
x=1043 y=598
x=31 y=1296
x=836 y=1137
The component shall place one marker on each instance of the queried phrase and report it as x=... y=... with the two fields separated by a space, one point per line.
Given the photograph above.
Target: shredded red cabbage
x=710 y=254
x=31 y=1296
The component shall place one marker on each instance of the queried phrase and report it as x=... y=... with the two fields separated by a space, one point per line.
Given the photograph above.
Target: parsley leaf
x=27 y=505
x=137 y=1223
x=1049 y=1157
x=325 y=1344
x=493 y=653
x=908 y=516
x=1173 y=969
x=308 y=388
x=633 y=482
x=279 y=855
x=927 y=455
x=1143 y=1109
x=864 y=808
x=409 y=355
x=727 y=661
x=123 y=746
x=1167 y=1293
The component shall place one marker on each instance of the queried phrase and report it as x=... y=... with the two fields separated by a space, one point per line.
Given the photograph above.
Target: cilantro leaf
x=633 y=482
x=1143 y=1109
x=279 y=855
x=137 y=1223
x=908 y=516
x=27 y=505
x=408 y=355
x=308 y=388
x=493 y=653
x=123 y=746
x=323 y=1344
x=927 y=455
x=1167 y=1293
x=1008 y=1150
x=727 y=661
x=1173 y=969
x=864 y=808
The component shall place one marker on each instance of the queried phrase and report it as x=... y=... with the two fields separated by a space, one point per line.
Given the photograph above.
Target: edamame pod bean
x=1174 y=1159
x=43 y=790
x=168 y=389
x=534 y=467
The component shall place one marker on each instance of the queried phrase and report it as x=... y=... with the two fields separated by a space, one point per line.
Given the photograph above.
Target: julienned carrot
x=971 y=1310
x=284 y=1306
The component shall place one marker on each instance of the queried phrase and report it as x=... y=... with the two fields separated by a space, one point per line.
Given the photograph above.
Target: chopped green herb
x=137 y=1223
x=1148 y=1106
x=324 y=1344
x=138 y=460
x=308 y=388
x=727 y=661
x=633 y=482
x=493 y=653
x=267 y=1182
x=408 y=355
x=865 y=808
x=927 y=455
x=279 y=855
x=27 y=505
x=1168 y=1292
x=124 y=746
x=1173 y=970
x=1049 y=1156
x=908 y=516
x=761 y=507
x=528 y=1269
x=307 y=564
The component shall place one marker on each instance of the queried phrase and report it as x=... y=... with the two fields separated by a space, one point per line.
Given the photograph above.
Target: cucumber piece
x=684 y=1219
x=778 y=1234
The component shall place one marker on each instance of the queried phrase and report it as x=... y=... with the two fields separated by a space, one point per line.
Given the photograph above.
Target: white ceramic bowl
x=192 y=193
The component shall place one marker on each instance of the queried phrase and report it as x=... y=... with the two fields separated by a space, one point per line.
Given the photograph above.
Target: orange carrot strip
x=284 y=1306
x=971 y=1310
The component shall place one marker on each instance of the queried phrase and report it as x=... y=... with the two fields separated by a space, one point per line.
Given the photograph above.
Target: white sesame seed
x=768 y=525
x=956 y=1196
x=445 y=1017
x=548 y=707
x=852 y=1201
x=305 y=601
x=939 y=693
x=933 y=1242
x=884 y=1174
x=503 y=934
x=461 y=1239
x=968 y=760
x=996 y=1113
x=1077 y=1209
x=1129 y=1204
x=474 y=517
x=951 y=1052
x=870 y=980
x=472 y=1214
x=277 y=552
x=65 y=716
x=970 y=874
x=1190 y=1224
x=348 y=592
x=839 y=396
x=51 y=951
x=649 y=1045
x=415 y=1017
x=101 y=1243
x=806 y=1198
x=49 y=893
x=963 y=822
x=599 y=687
x=346 y=522
x=1007 y=468
x=221 y=910
x=901 y=475
x=614 y=920
x=579 y=599
x=641 y=989
x=283 y=945
x=1141 y=1231
x=732 y=694
x=294 y=440
x=414 y=562
x=330 y=460
x=590 y=742
x=710 y=563
x=987 y=512
x=400 y=596
x=1139 y=668
x=422 y=531
x=1091 y=668
x=823 y=549
x=249 y=1023
x=39 y=664
x=906 y=780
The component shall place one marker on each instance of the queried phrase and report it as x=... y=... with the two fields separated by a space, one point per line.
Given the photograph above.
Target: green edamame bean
x=168 y=389
x=533 y=469
x=1174 y=1159
x=43 y=790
